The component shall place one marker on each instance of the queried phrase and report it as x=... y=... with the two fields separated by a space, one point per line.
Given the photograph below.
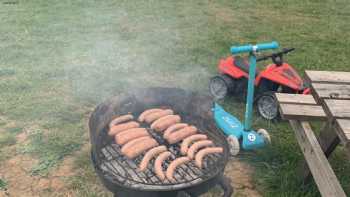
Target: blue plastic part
x=267 y=46
x=229 y=124
x=250 y=48
x=250 y=96
x=252 y=140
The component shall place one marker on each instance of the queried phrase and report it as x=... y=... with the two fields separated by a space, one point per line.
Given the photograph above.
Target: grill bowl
x=117 y=171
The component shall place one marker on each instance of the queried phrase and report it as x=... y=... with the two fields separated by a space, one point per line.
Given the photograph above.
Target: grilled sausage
x=173 y=165
x=149 y=155
x=202 y=153
x=154 y=116
x=187 y=141
x=181 y=134
x=172 y=128
x=133 y=142
x=158 y=169
x=120 y=119
x=130 y=134
x=164 y=122
x=140 y=147
x=146 y=112
x=198 y=145
x=122 y=127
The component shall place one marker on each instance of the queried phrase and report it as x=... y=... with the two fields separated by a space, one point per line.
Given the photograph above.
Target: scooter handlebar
x=251 y=48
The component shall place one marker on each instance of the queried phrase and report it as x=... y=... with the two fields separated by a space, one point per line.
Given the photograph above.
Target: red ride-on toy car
x=276 y=77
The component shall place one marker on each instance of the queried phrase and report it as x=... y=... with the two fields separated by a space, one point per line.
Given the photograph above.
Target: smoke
x=136 y=45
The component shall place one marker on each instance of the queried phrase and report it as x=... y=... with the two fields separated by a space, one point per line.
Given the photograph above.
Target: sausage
x=181 y=134
x=140 y=147
x=173 y=165
x=154 y=116
x=172 y=128
x=130 y=134
x=158 y=169
x=164 y=122
x=122 y=127
x=149 y=155
x=187 y=141
x=146 y=112
x=133 y=142
x=202 y=153
x=198 y=145
x=120 y=119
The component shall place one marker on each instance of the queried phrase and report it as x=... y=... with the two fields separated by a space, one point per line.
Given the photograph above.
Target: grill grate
x=124 y=171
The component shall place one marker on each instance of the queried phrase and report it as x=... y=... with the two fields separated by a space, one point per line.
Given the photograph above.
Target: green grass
x=51 y=148
x=85 y=183
x=8 y=137
x=59 y=59
x=2 y=184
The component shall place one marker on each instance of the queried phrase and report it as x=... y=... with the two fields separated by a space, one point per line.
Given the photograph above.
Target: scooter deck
x=231 y=126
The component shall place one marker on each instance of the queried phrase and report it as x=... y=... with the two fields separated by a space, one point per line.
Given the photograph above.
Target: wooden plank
x=333 y=91
x=295 y=98
x=320 y=168
x=302 y=112
x=327 y=76
x=343 y=126
x=337 y=108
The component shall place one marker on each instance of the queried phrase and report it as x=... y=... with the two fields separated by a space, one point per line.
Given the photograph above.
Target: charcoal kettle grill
x=119 y=174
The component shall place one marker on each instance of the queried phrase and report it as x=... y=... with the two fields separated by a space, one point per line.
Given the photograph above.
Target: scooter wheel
x=265 y=134
x=233 y=144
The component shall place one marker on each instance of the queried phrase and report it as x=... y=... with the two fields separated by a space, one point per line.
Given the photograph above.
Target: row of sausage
x=135 y=140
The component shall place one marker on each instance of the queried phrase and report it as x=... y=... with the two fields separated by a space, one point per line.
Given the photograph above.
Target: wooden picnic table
x=329 y=102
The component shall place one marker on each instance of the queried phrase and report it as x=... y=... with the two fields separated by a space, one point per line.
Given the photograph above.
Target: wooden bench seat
x=343 y=126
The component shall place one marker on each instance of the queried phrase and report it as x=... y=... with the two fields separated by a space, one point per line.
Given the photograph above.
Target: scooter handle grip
x=251 y=48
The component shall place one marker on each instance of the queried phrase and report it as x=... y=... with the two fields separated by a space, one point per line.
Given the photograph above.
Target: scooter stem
x=250 y=96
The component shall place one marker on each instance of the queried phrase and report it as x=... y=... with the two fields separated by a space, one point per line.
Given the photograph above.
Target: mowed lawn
x=59 y=59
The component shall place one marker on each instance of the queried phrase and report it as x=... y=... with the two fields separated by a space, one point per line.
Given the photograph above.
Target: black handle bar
x=274 y=55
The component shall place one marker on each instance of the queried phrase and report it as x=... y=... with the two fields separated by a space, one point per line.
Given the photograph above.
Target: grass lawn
x=58 y=59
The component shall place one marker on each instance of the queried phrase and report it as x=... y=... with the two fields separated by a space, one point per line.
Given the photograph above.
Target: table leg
x=321 y=170
x=328 y=140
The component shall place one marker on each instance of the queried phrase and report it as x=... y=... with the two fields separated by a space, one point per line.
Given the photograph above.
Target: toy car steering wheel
x=277 y=58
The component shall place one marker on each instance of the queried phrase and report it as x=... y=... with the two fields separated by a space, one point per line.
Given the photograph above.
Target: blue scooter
x=229 y=124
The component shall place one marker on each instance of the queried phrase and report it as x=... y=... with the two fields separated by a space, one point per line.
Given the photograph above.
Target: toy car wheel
x=220 y=86
x=265 y=134
x=267 y=106
x=233 y=144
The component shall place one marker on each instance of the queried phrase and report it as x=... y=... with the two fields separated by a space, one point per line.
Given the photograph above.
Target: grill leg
x=185 y=194
x=224 y=182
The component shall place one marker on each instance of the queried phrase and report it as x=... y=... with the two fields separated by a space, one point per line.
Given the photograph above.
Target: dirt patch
x=16 y=172
x=20 y=138
x=240 y=174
